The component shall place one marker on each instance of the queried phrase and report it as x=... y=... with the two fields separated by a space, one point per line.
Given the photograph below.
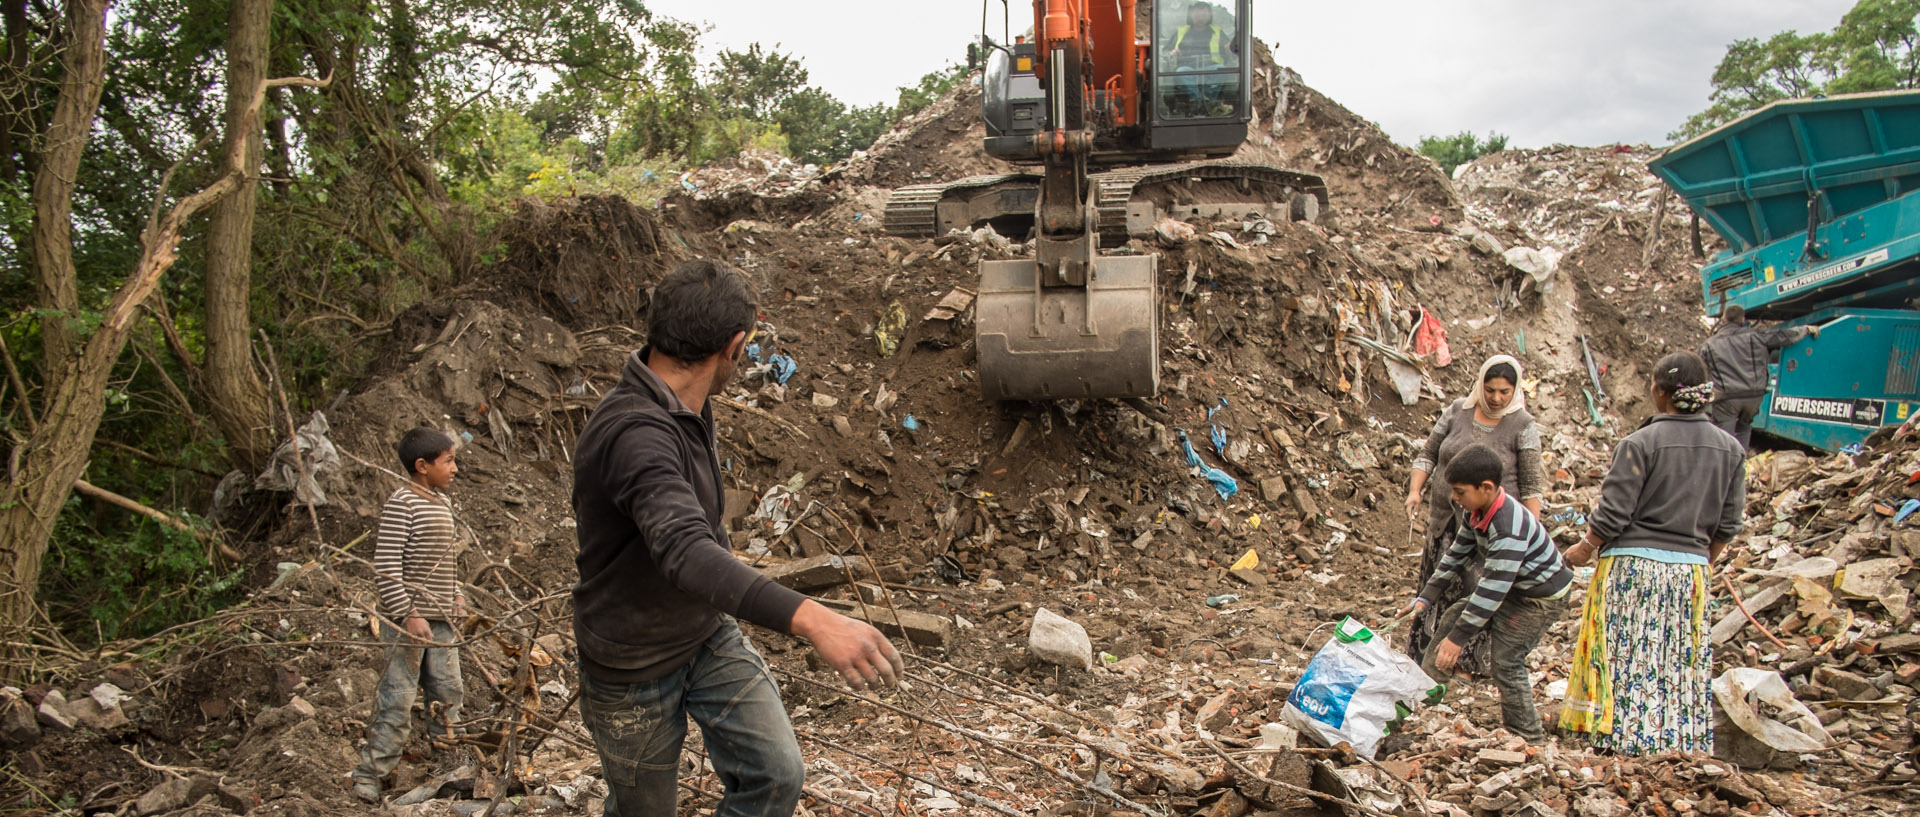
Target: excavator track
x=915 y=212
x=912 y=212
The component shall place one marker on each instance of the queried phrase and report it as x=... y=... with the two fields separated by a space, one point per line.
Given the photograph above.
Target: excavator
x=1124 y=112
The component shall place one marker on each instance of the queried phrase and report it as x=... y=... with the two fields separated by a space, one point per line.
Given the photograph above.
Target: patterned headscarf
x=1478 y=397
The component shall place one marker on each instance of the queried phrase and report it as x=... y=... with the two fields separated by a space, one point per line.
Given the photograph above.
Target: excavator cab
x=1200 y=74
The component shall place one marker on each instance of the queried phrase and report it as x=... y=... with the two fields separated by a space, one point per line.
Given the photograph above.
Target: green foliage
x=932 y=86
x=1460 y=148
x=377 y=193
x=129 y=579
x=1872 y=49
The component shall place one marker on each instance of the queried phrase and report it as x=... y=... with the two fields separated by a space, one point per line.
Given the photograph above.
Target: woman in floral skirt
x=1672 y=501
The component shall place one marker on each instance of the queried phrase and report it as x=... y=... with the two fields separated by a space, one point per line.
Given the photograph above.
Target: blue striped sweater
x=1518 y=558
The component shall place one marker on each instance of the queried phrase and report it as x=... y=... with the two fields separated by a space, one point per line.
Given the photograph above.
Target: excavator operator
x=1200 y=46
x=1197 y=45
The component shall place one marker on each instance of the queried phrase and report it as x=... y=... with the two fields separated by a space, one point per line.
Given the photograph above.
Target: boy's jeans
x=410 y=666
x=726 y=688
x=1515 y=629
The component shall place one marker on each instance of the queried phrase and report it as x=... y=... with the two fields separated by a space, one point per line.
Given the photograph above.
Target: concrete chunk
x=1274 y=488
x=53 y=711
x=1498 y=757
x=1059 y=640
x=1303 y=502
x=920 y=628
x=818 y=573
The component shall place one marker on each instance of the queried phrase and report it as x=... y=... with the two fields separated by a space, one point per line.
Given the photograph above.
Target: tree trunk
x=83 y=66
x=235 y=392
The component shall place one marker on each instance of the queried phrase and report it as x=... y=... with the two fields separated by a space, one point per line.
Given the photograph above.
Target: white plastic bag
x=1351 y=688
x=1760 y=723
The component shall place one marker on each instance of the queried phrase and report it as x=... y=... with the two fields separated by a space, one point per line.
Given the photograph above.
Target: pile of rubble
x=1105 y=606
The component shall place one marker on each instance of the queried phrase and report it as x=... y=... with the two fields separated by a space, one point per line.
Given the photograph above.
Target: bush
x=130 y=579
x=1460 y=148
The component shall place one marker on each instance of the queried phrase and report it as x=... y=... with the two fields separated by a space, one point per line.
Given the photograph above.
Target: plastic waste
x=299 y=464
x=1353 y=688
x=1760 y=724
x=1430 y=338
x=782 y=368
x=1223 y=483
x=893 y=325
x=1222 y=600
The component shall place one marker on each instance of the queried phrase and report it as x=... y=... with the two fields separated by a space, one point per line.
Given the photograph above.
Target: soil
x=982 y=514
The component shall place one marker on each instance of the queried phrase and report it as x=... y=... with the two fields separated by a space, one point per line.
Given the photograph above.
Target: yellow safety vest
x=1181 y=36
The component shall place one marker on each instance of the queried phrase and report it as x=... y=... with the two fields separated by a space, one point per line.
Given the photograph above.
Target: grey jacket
x=1676 y=484
x=1737 y=356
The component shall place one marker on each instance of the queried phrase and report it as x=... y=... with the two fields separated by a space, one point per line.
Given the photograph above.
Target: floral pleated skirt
x=1643 y=667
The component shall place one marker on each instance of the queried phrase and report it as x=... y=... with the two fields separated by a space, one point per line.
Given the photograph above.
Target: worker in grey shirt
x=1737 y=356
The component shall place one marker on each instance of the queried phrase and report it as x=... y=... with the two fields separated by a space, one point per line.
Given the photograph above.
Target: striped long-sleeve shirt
x=1518 y=558
x=415 y=556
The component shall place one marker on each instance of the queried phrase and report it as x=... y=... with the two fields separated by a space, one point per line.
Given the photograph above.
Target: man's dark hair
x=1502 y=371
x=697 y=308
x=1474 y=466
x=1734 y=313
x=422 y=443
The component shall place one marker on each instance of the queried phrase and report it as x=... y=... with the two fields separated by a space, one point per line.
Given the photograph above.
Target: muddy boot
x=366 y=791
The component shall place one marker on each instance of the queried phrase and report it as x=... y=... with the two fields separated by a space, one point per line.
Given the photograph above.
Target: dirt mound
x=588 y=263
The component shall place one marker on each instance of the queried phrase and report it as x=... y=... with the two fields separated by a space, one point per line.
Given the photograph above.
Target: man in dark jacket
x=659 y=585
x=1737 y=356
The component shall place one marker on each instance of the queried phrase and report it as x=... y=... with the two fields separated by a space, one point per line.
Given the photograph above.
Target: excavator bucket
x=1057 y=343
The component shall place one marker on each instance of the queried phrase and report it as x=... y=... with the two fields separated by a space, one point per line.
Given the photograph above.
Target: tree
x=1872 y=49
x=75 y=373
x=1460 y=148
x=236 y=394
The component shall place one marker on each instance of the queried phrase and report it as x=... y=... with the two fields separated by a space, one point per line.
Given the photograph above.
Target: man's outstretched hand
x=853 y=648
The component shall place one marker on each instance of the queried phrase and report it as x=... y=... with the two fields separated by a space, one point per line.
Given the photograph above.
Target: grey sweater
x=1515 y=440
x=1676 y=485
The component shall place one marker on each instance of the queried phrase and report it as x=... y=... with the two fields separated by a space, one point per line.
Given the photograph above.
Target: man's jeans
x=639 y=728
x=1515 y=628
x=410 y=666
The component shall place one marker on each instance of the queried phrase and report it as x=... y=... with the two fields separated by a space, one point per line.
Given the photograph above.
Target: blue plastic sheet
x=783 y=368
x=755 y=354
x=1906 y=509
x=1223 y=484
x=1215 y=433
x=911 y=423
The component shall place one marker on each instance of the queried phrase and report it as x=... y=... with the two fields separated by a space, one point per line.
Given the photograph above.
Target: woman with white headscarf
x=1494 y=414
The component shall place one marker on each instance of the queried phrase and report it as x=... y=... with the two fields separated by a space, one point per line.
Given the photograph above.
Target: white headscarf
x=1478 y=398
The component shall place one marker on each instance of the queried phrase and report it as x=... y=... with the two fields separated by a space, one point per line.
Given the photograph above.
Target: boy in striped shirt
x=1522 y=588
x=413 y=562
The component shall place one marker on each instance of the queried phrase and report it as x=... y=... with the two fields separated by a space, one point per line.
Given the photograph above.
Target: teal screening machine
x=1819 y=202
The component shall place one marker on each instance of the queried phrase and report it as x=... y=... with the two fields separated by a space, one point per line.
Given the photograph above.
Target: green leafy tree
x=1460 y=148
x=1871 y=49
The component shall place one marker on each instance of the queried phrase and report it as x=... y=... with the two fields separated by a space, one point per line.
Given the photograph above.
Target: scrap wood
x=987 y=740
x=807 y=734
x=761 y=413
x=126 y=503
x=1728 y=584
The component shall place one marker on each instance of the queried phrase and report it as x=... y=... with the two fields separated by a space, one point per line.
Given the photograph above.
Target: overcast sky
x=1540 y=71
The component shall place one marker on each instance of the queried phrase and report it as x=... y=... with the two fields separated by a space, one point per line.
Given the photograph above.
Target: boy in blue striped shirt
x=1521 y=591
